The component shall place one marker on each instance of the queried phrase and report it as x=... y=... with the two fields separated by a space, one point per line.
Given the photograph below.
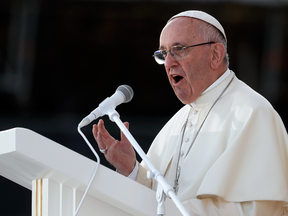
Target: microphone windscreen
x=127 y=91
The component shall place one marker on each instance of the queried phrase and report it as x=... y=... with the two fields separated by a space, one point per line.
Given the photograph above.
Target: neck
x=220 y=78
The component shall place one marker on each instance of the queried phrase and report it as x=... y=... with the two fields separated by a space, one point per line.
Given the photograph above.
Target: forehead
x=179 y=30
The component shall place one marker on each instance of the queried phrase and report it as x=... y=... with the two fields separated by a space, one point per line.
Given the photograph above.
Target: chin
x=184 y=101
x=184 y=95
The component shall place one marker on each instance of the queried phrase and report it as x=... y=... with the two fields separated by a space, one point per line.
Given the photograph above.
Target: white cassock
x=238 y=163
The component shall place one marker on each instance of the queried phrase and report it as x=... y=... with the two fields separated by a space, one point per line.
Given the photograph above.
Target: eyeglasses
x=177 y=52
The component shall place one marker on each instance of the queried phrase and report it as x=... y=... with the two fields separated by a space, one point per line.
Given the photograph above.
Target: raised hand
x=119 y=153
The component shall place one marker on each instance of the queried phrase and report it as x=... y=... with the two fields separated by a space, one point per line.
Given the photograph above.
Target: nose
x=170 y=61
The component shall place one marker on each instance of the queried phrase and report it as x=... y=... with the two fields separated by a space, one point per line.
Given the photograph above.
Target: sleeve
x=142 y=177
x=134 y=173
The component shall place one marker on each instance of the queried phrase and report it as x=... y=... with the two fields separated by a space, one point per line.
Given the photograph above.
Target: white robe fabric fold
x=240 y=154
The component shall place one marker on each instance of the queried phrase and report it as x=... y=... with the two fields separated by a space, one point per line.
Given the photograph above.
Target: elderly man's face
x=190 y=76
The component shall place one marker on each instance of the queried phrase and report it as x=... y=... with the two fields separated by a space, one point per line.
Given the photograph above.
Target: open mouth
x=177 y=78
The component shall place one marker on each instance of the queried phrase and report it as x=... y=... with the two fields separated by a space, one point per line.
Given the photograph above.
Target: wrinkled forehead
x=179 y=31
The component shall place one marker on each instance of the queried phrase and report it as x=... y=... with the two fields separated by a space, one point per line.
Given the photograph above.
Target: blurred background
x=60 y=59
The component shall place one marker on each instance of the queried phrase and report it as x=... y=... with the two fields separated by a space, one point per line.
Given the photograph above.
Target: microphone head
x=127 y=91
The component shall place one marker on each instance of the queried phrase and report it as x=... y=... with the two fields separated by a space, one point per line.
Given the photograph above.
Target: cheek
x=190 y=71
x=193 y=67
x=167 y=72
x=166 y=69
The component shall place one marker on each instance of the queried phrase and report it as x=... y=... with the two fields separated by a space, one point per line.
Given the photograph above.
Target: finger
x=126 y=125
x=95 y=130
x=123 y=137
x=111 y=151
x=101 y=135
x=103 y=130
x=98 y=137
x=105 y=139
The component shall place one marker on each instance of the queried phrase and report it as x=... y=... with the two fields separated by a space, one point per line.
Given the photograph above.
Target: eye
x=164 y=53
x=178 y=48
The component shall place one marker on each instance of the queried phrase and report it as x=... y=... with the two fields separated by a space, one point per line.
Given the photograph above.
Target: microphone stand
x=164 y=189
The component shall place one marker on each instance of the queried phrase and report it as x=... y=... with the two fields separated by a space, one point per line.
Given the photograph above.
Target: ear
x=217 y=55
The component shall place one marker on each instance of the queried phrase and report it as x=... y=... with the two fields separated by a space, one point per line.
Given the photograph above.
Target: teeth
x=174 y=75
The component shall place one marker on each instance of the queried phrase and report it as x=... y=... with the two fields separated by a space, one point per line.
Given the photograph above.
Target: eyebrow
x=174 y=44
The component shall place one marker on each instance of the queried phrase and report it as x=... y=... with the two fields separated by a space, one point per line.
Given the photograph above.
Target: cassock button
x=186 y=140
x=190 y=124
x=195 y=112
x=182 y=153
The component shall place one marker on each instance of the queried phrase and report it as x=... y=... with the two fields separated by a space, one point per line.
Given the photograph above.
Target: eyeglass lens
x=177 y=53
x=159 y=57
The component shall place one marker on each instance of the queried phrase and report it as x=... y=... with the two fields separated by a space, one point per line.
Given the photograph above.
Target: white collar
x=218 y=81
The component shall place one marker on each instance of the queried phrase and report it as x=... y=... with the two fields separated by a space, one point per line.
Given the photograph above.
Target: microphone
x=123 y=94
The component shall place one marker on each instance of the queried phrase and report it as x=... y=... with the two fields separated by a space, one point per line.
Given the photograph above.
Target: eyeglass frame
x=183 y=48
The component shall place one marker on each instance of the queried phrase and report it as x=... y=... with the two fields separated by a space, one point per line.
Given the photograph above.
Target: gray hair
x=210 y=33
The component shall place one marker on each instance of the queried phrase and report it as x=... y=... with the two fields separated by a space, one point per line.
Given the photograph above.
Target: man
x=226 y=151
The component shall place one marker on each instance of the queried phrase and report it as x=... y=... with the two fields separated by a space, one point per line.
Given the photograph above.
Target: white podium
x=58 y=176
